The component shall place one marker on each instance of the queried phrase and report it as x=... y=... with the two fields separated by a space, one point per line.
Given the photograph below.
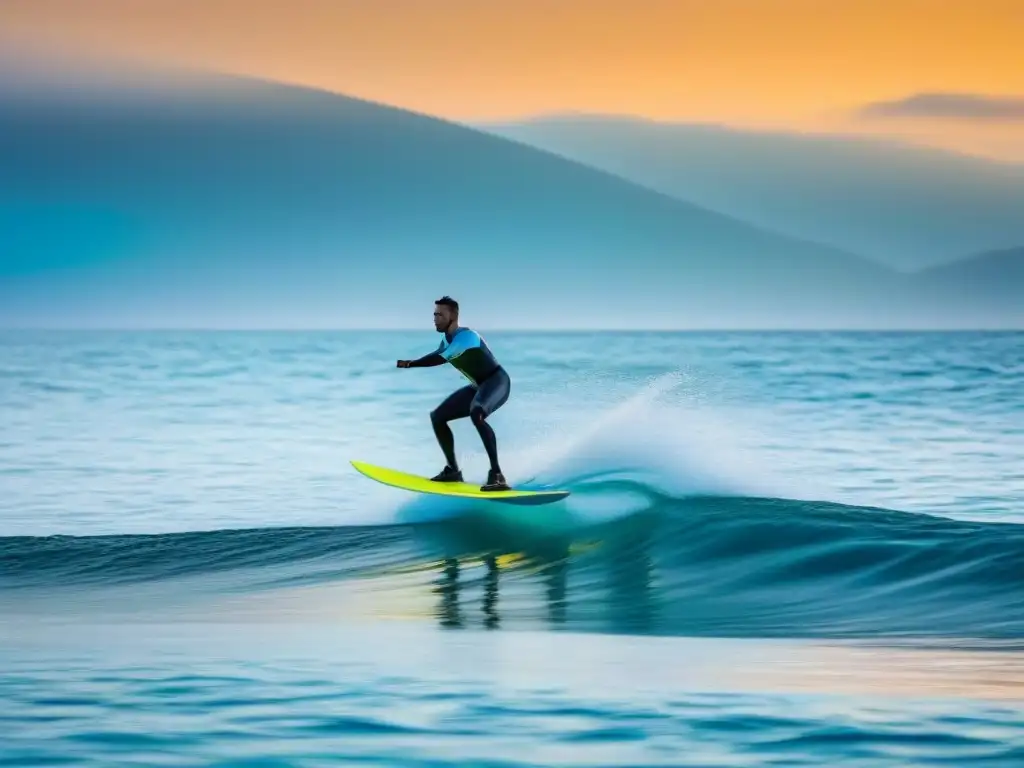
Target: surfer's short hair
x=448 y=301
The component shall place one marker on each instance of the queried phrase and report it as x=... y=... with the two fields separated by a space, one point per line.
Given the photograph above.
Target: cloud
x=962 y=106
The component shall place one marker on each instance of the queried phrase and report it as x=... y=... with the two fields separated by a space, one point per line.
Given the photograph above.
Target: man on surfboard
x=487 y=391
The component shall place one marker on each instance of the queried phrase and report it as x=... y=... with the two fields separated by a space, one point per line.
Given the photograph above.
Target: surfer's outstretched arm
x=427 y=361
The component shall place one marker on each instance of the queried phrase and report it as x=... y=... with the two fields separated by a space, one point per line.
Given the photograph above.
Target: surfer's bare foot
x=495 y=482
x=448 y=475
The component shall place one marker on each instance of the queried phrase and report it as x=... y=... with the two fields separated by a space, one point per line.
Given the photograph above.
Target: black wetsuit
x=487 y=391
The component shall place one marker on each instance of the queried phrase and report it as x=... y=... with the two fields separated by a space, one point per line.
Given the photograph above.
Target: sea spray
x=666 y=437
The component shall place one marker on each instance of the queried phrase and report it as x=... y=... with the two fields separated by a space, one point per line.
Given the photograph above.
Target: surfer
x=487 y=391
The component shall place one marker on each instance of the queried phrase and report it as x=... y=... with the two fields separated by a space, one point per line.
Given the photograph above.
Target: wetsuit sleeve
x=428 y=361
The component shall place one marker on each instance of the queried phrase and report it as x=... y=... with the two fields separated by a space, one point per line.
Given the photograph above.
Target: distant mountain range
x=216 y=201
x=906 y=207
x=996 y=277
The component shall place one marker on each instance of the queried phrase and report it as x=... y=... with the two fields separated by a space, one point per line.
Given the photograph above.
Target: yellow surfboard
x=418 y=484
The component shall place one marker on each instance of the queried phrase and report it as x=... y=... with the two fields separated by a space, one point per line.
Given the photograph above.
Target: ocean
x=780 y=549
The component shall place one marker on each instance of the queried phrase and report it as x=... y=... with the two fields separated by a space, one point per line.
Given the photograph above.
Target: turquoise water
x=781 y=548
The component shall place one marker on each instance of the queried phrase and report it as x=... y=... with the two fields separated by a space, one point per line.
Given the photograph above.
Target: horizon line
x=507 y=329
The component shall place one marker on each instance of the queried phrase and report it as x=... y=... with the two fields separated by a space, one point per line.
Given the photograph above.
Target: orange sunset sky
x=795 y=64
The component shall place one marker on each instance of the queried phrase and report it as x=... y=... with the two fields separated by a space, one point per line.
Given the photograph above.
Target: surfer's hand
x=403 y=363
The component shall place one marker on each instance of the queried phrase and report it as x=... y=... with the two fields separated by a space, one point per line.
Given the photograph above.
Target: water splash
x=662 y=439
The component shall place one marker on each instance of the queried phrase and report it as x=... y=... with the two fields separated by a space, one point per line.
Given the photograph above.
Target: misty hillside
x=907 y=207
x=227 y=201
x=996 y=277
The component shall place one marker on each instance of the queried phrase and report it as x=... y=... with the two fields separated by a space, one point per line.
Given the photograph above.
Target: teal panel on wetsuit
x=469 y=354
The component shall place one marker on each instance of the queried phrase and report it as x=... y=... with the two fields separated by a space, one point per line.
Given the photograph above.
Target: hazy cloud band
x=964 y=106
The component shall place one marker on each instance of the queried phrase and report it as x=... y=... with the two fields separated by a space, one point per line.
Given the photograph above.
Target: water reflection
x=449 y=611
x=452 y=582
x=597 y=583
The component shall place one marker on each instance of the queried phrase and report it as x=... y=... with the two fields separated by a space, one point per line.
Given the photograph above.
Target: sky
x=942 y=72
